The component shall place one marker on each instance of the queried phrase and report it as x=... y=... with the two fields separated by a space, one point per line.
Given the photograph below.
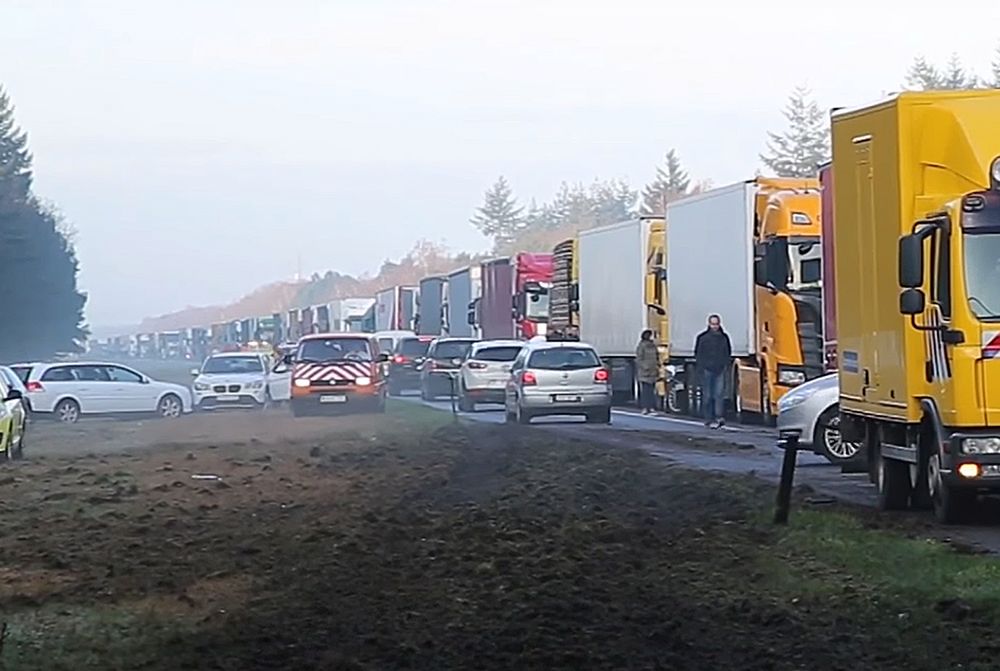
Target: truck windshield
x=804 y=264
x=537 y=308
x=982 y=273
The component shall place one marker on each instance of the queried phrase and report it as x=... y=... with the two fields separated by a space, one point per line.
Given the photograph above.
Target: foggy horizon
x=199 y=152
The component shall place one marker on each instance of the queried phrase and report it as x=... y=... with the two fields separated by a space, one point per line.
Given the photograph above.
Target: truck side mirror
x=911 y=263
x=912 y=302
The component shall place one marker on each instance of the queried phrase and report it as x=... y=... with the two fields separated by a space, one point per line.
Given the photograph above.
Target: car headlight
x=255 y=385
x=201 y=386
x=989 y=445
x=301 y=382
x=794 y=399
x=790 y=377
x=362 y=381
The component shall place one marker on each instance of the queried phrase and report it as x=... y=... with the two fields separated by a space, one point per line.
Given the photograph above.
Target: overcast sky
x=202 y=148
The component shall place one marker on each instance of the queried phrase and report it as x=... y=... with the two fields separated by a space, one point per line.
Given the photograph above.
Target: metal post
x=454 y=409
x=790 y=443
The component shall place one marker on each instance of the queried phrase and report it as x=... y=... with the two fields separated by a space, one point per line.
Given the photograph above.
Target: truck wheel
x=893 y=482
x=951 y=504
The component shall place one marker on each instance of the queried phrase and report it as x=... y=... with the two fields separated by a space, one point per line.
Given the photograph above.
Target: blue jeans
x=713 y=386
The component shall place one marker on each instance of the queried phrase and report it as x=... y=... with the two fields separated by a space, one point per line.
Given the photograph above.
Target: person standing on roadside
x=647 y=368
x=713 y=353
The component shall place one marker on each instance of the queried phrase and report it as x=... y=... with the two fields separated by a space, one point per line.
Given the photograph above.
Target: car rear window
x=22 y=372
x=320 y=350
x=60 y=374
x=564 y=358
x=413 y=347
x=451 y=349
x=507 y=353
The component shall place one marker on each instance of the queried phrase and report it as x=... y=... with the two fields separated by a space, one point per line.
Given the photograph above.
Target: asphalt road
x=746 y=450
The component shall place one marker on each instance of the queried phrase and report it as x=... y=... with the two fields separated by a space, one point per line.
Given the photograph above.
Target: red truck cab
x=515 y=296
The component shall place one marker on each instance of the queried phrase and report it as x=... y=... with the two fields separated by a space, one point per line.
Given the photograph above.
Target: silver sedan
x=813 y=411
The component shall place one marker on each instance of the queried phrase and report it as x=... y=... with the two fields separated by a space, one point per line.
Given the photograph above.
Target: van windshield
x=321 y=350
x=982 y=273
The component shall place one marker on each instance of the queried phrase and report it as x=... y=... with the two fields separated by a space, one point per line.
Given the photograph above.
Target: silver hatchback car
x=558 y=378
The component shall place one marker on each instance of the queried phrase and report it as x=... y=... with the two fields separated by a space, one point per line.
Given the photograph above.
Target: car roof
x=558 y=344
x=233 y=355
x=485 y=344
x=340 y=336
x=52 y=364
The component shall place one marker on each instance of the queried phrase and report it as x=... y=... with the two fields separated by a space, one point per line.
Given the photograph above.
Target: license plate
x=565 y=398
x=335 y=398
x=228 y=398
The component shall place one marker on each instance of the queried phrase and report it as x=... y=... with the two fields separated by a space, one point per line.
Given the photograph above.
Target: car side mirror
x=143 y=380
x=382 y=357
x=195 y=372
x=14 y=395
x=911 y=262
x=912 y=302
x=288 y=359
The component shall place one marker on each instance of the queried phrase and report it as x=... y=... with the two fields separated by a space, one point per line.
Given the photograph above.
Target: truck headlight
x=995 y=173
x=989 y=445
x=790 y=378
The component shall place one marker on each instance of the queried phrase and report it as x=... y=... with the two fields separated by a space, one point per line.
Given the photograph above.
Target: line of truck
x=884 y=268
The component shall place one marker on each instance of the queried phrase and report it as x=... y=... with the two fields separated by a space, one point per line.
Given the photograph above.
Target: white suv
x=485 y=371
x=238 y=379
x=71 y=389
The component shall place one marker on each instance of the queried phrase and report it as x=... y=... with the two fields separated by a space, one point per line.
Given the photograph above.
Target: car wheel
x=394 y=390
x=170 y=407
x=68 y=411
x=827 y=436
x=523 y=416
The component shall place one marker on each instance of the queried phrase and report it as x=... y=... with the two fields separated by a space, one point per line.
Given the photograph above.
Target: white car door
x=129 y=393
x=93 y=389
x=279 y=385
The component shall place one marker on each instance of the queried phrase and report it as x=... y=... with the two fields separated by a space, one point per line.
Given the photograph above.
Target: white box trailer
x=612 y=281
x=710 y=258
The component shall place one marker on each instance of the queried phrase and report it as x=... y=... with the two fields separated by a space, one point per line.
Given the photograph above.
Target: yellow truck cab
x=787 y=294
x=917 y=288
x=657 y=319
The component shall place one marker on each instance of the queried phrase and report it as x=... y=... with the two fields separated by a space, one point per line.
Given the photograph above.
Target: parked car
x=439 y=372
x=813 y=411
x=68 y=390
x=558 y=378
x=239 y=380
x=485 y=371
x=14 y=381
x=404 y=366
x=13 y=418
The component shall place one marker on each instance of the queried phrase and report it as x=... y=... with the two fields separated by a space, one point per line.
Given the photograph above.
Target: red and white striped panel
x=346 y=370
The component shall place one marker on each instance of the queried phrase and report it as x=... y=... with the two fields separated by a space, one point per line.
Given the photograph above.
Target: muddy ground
x=255 y=541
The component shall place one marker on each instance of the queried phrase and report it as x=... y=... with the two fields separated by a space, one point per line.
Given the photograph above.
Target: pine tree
x=671 y=183
x=924 y=76
x=804 y=144
x=955 y=77
x=499 y=217
x=48 y=318
x=15 y=159
x=995 y=69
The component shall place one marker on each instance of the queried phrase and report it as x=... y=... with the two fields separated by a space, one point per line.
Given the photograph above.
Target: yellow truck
x=656 y=306
x=749 y=252
x=917 y=242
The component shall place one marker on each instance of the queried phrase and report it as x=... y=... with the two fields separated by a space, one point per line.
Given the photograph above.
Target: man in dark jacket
x=713 y=355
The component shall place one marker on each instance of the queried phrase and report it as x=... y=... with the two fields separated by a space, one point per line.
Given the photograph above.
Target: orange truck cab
x=337 y=370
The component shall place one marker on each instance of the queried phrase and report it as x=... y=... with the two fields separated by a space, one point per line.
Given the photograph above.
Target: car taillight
x=528 y=378
x=601 y=375
x=399 y=358
x=35 y=386
x=476 y=365
x=431 y=365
